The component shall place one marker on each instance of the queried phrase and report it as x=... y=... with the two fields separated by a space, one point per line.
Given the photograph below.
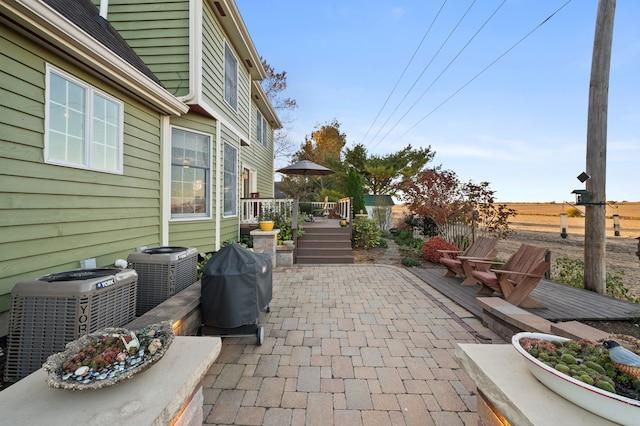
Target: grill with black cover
x=236 y=285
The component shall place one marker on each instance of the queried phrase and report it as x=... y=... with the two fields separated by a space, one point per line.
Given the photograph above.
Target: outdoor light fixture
x=583 y=177
x=583 y=198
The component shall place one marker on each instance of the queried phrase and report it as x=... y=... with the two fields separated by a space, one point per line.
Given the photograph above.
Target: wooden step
x=325 y=246
x=324 y=260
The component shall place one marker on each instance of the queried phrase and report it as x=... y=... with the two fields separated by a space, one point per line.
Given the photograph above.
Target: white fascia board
x=259 y=98
x=52 y=27
x=237 y=32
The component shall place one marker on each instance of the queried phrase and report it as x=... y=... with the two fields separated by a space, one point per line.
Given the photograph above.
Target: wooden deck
x=564 y=303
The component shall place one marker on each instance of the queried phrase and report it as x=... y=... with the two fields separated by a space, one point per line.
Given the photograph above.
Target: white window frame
x=89 y=128
x=207 y=181
x=231 y=87
x=229 y=182
x=262 y=129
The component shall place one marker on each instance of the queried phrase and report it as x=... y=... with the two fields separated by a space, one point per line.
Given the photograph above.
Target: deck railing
x=251 y=207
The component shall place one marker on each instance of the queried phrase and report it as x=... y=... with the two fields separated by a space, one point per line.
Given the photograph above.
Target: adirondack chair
x=483 y=248
x=517 y=277
x=324 y=213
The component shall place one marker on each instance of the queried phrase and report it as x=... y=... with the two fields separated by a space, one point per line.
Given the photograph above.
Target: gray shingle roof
x=86 y=16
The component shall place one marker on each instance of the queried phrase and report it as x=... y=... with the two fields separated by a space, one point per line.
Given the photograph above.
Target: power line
x=444 y=70
x=415 y=52
x=484 y=69
x=424 y=69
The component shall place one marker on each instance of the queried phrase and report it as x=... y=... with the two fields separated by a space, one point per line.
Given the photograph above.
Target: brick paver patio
x=348 y=345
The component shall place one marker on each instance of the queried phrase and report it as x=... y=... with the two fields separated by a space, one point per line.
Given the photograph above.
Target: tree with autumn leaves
x=450 y=203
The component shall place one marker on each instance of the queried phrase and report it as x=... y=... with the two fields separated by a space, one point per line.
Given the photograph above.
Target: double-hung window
x=190 y=174
x=83 y=126
x=261 y=129
x=230 y=180
x=230 y=77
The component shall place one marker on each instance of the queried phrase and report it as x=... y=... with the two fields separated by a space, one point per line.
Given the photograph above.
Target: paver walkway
x=348 y=345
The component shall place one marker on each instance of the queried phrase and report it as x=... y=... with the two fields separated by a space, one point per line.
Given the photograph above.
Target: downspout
x=104 y=8
x=219 y=184
x=195 y=52
x=165 y=178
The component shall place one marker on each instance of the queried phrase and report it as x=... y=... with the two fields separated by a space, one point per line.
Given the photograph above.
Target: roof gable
x=86 y=16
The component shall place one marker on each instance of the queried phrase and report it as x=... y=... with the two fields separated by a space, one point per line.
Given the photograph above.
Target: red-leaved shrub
x=430 y=249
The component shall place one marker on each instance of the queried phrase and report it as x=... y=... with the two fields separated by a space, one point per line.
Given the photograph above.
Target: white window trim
x=238 y=177
x=262 y=133
x=191 y=218
x=224 y=86
x=90 y=92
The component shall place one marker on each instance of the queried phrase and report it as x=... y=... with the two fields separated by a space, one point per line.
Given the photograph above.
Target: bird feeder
x=564 y=224
x=616 y=225
x=582 y=197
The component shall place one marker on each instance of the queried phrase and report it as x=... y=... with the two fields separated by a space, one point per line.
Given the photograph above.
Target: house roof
x=87 y=17
x=378 y=200
x=71 y=30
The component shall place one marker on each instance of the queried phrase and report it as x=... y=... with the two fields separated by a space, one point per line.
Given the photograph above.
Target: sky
x=499 y=89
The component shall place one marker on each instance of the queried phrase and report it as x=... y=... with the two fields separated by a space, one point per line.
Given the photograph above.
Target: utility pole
x=595 y=215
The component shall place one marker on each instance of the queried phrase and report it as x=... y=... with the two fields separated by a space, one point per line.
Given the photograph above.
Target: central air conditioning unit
x=53 y=310
x=162 y=272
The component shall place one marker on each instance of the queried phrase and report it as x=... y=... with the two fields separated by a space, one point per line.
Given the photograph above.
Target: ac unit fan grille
x=40 y=326
x=160 y=277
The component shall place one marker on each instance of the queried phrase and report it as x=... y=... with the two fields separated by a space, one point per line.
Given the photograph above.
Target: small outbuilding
x=379 y=208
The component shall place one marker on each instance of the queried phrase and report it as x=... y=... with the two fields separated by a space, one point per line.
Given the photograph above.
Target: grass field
x=546 y=217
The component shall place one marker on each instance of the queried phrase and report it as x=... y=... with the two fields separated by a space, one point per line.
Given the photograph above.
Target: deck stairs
x=330 y=245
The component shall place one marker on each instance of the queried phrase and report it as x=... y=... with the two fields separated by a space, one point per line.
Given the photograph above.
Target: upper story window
x=190 y=174
x=83 y=126
x=230 y=77
x=230 y=180
x=261 y=129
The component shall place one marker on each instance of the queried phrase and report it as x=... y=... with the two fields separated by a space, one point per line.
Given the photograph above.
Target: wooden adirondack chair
x=483 y=248
x=517 y=277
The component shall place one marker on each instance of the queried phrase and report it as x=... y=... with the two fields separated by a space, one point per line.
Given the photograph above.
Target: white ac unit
x=162 y=272
x=53 y=310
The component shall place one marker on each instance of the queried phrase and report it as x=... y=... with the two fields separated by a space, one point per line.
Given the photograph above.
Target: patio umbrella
x=305 y=168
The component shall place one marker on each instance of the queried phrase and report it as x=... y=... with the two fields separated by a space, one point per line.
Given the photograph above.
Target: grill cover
x=236 y=285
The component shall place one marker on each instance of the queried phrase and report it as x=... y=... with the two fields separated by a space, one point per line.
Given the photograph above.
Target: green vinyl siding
x=260 y=158
x=198 y=233
x=53 y=216
x=158 y=31
x=213 y=40
x=230 y=226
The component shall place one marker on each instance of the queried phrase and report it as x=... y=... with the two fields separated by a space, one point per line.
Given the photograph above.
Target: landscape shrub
x=430 y=249
x=365 y=233
x=405 y=238
x=571 y=272
x=574 y=212
x=407 y=261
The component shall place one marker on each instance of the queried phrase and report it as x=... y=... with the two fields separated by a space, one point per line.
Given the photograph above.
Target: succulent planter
x=609 y=405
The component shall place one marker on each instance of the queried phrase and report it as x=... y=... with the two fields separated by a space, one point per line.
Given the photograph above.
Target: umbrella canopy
x=305 y=168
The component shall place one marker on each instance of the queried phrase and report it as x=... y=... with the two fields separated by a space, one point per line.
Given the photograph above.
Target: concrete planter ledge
x=168 y=392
